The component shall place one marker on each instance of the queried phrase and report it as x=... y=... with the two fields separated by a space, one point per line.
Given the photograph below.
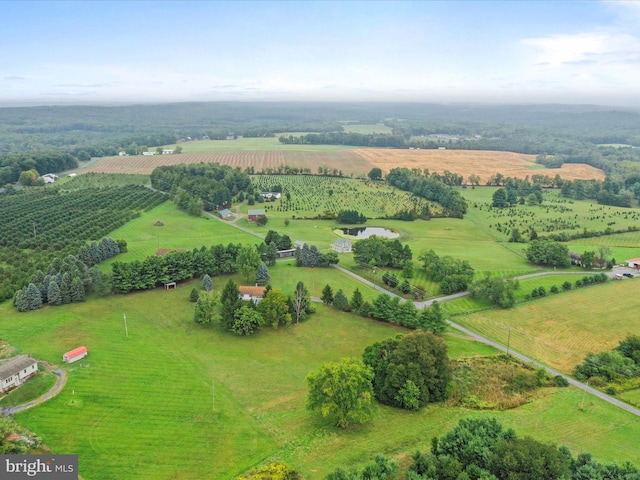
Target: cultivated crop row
x=48 y=219
x=312 y=195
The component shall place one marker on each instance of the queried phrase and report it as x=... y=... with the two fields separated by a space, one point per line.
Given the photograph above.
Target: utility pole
x=126 y=330
x=213 y=393
x=584 y=394
x=508 y=340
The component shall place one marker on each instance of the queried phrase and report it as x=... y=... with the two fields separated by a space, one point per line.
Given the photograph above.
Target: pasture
x=154 y=404
x=133 y=394
x=559 y=330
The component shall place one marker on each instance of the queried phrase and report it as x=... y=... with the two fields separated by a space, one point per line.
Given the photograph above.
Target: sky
x=95 y=52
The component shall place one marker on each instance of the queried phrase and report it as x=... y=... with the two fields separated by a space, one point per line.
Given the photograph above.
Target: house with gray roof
x=342 y=245
x=14 y=371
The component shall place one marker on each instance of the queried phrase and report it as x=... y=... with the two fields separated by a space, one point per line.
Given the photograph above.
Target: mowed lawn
x=559 y=330
x=143 y=407
x=179 y=230
x=176 y=400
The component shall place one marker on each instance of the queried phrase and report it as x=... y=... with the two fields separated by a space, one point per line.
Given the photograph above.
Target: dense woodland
x=200 y=187
x=564 y=133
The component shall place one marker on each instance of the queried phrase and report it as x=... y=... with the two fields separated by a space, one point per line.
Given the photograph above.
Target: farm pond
x=366 y=232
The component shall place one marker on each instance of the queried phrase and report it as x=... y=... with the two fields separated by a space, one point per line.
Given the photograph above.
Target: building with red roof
x=75 y=355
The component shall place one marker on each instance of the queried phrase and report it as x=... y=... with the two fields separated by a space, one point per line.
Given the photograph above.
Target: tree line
x=49 y=161
x=176 y=266
x=452 y=202
x=67 y=280
x=205 y=186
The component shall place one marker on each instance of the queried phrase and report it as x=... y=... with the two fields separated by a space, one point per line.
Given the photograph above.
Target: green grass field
x=143 y=405
x=176 y=400
x=559 y=330
x=180 y=231
x=36 y=386
x=251 y=144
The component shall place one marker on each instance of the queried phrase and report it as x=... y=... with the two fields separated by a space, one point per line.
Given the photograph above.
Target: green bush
x=560 y=381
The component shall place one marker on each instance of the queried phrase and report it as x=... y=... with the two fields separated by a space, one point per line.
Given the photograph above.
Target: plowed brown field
x=483 y=163
x=359 y=161
x=344 y=160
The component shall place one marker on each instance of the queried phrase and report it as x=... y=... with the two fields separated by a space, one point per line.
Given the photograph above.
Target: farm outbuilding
x=634 y=263
x=226 y=213
x=14 y=371
x=75 y=355
x=253 y=215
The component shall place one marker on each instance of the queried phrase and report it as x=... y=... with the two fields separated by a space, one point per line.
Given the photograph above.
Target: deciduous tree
x=419 y=357
x=248 y=261
x=274 y=308
x=342 y=390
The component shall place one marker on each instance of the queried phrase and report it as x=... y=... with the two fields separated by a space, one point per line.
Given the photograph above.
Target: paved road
x=485 y=340
x=61 y=381
x=551 y=371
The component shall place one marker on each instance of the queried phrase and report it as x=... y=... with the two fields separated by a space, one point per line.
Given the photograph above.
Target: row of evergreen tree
x=66 y=281
x=310 y=256
x=388 y=309
x=174 y=267
x=95 y=252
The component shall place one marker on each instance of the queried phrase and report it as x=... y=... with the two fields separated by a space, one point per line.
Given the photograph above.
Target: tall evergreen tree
x=207 y=284
x=53 y=293
x=230 y=301
x=356 y=300
x=20 y=300
x=327 y=295
x=262 y=274
x=65 y=288
x=77 y=292
x=340 y=301
x=33 y=297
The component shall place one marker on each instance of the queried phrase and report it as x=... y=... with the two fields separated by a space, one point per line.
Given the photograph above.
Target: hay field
x=483 y=163
x=357 y=162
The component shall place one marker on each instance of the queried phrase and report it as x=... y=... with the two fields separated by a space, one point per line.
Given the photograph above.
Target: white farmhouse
x=14 y=371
